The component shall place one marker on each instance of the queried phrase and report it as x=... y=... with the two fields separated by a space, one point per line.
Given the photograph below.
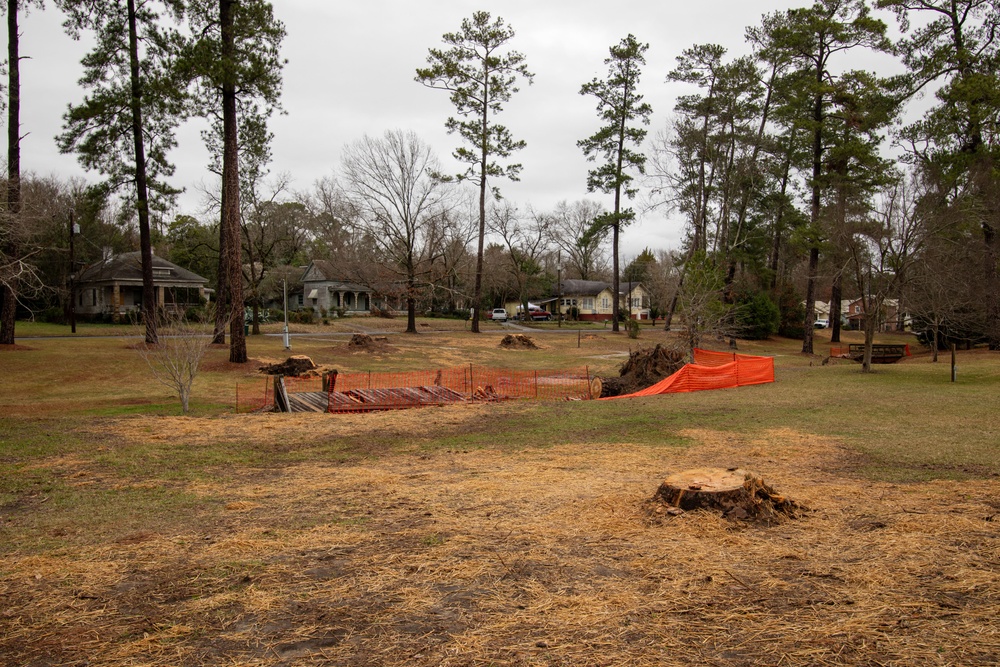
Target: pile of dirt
x=517 y=342
x=297 y=365
x=366 y=343
x=737 y=494
x=644 y=368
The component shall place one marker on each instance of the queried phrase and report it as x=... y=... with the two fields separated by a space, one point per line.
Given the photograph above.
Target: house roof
x=127 y=268
x=584 y=287
x=324 y=271
x=595 y=287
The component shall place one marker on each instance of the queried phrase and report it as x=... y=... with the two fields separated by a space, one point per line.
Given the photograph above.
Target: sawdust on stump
x=297 y=365
x=739 y=495
x=517 y=342
x=644 y=368
x=366 y=343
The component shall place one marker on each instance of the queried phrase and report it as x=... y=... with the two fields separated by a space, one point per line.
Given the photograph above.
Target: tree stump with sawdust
x=738 y=494
x=295 y=365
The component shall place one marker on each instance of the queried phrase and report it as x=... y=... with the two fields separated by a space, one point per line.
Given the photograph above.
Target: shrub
x=757 y=317
x=633 y=328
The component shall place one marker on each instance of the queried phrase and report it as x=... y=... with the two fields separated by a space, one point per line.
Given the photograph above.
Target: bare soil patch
x=16 y=348
x=541 y=557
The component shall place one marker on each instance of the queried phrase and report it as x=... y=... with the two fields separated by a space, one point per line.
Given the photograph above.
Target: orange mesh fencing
x=713 y=370
x=254 y=395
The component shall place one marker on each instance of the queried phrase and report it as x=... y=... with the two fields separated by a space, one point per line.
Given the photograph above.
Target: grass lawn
x=504 y=534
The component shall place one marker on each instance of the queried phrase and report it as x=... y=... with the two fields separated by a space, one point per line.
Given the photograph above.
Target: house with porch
x=322 y=290
x=113 y=286
x=593 y=300
x=888 y=318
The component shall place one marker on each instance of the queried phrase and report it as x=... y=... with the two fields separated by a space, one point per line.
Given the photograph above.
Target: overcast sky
x=351 y=68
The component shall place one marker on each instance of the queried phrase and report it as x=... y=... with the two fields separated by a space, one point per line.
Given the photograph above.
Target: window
x=604 y=302
x=637 y=302
x=301 y=298
x=588 y=303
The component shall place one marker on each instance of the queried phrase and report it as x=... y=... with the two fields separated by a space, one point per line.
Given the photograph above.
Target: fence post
x=536 y=385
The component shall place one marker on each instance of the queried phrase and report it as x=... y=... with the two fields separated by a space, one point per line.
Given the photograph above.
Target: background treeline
x=851 y=153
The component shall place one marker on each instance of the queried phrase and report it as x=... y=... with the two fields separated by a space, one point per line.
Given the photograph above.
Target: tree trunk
x=807 y=334
x=835 y=299
x=11 y=249
x=231 y=188
x=149 y=309
x=222 y=286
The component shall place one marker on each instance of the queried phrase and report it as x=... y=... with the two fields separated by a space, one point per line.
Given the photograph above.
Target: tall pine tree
x=619 y=106
x=125 y=126
x=481 y=77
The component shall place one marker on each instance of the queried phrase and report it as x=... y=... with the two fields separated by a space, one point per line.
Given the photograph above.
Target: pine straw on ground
x=541 y=557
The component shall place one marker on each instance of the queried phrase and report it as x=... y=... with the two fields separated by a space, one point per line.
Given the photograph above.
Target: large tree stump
x=295 y=365
x=738 y=494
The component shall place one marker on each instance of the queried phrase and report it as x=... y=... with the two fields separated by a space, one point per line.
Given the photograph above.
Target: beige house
x=593 y=300
x=114 y=285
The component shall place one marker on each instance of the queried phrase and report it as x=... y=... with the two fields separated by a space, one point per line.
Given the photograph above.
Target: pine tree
x=619 y=106
x=481 y=78
x=125 y=126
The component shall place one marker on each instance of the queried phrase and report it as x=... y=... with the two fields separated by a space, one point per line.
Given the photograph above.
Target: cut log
x=736 y=493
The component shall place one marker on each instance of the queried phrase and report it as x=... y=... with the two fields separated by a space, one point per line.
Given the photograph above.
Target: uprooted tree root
x=366 y=343
x=644 y=368
x=737 y=494
x=517 y=342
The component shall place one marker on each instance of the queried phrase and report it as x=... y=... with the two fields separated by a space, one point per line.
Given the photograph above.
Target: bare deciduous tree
x=175 y=359
x=399 y=202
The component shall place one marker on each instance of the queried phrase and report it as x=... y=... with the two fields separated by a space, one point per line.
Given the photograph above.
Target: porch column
x=159 y=296
x=116 y=297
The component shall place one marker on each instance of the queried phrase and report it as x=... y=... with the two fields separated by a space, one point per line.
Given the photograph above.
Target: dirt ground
x=538 y=557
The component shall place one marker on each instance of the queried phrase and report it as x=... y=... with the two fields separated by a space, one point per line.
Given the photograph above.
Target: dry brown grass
x=537 y=557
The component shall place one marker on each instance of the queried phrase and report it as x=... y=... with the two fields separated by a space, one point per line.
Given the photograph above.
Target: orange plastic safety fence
x=254 y=395
x=713 y=370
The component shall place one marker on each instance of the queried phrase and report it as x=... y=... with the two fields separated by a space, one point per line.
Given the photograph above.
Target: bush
x=633 y=328
x=52 y=314
x=757 y=317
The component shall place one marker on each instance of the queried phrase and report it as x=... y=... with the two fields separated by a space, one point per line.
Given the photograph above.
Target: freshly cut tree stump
x=738 y=494
x=295 y=365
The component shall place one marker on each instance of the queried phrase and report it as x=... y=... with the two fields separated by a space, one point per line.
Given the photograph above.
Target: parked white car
x=498 y=314
x=821 y=324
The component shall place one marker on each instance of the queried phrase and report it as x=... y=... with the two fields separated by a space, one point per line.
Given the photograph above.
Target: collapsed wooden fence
x=367 y=391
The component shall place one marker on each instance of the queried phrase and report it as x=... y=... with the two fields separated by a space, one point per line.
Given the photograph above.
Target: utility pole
x=284 y=291
x=74 y=229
